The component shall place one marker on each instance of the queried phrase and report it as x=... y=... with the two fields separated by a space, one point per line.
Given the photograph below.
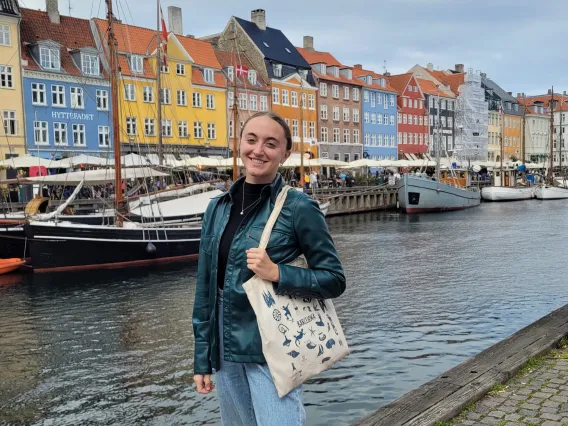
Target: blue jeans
x=247 y=394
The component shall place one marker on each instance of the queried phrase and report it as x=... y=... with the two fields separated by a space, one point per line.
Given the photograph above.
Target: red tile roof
x=359 y=72
x=545 y=99
x=71 y=33
x=454 y=81
x=430 y=88
x=197 y=78
x=400 y=81
x=314 y=57
x=201 y=51
x=228 y=59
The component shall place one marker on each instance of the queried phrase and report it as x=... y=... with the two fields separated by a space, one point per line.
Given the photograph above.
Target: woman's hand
x=259 y=263
x=203 y=383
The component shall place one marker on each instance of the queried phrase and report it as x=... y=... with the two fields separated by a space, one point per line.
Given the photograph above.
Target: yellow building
x=12 y=138
x=512 y=136
x=494 y=136
x=193 y=93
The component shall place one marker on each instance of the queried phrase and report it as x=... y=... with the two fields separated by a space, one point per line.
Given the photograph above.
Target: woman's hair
x=279 y=120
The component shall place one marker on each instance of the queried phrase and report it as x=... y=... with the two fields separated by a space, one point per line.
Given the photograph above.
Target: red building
x=413 y=127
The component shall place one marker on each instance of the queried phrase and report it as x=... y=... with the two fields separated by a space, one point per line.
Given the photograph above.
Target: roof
x=228 y=59
x=453 y=81
x=490 y=84
x=400 y=81
x=360 y=72
x=9 y=7
x=273 y=44
x=71 y=33
x=315 y=57
x=428 y=87
x=201 y=52
x=197 y=78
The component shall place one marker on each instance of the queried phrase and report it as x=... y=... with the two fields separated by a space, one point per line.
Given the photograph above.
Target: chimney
x=175 y=21
x=459 y=68
x=430 y=66
x=510 y=93
x=387 y=74
x=309 y=43
x=483 y=75
x=358 y=66
x=258 y=16
x=519 y=95
x=564 y=93
x=52 y=8
x=549 y=92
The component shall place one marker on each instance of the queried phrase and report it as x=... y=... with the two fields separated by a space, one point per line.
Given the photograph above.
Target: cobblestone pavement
x=539 y=398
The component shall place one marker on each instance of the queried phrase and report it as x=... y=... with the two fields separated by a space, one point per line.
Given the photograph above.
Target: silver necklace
x=243 y=204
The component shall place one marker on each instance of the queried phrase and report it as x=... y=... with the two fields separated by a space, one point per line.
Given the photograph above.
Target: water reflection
x=424 y=293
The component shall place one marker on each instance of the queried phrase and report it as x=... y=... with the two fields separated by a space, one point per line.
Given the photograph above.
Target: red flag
x=164 y=35
x=242 y=70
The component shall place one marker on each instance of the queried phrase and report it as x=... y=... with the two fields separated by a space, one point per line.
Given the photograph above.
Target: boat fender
x=437 y=189
x=150 y=248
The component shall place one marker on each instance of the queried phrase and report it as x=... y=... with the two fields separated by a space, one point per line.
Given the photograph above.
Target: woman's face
x=263 y=149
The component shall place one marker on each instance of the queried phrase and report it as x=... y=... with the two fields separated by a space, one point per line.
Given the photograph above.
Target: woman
x=227 y=338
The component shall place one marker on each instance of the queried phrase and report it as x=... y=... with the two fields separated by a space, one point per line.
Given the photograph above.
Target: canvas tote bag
x=301 y=336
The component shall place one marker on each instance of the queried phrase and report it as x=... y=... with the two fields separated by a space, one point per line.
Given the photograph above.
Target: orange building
x=512 y=136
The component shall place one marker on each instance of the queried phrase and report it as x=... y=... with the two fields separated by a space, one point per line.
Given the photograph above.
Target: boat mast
x=235 y=112
x=113 y=76
x=560 y=135
x=438 y=137
x=158 y=82
x=501 y=147
x=523 y=127
x=301 y=130
x=551 y=153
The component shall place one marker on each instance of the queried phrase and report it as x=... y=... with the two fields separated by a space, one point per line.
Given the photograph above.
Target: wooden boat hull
x=73 y=247
x=421 y=195
x=10 y=265
x=497 y=193
x=551 y=193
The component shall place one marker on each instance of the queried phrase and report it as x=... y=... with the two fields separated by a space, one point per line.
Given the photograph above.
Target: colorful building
x=536 y=129
x=339 y=102
x=12 y=141
x=66 y=93
x=277 y=60
x=252 y=92
x=413 y=118
x=380 y=123
x=192 y=92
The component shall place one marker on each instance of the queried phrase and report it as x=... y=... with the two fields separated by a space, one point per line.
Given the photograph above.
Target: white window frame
x=252 y=76
x=324 y=134
x=5 y=35
x=131 y=126
x=59 y=95
x=183 y=129
x=356 y=139
x=323 y=89
x=166 y=94
x=6 y=77
x=102 y=100
x=41 y=92
x=336 y=135
x=356 y=94
x=148 y=94
x=181 y=96
x=50 y=58
x=311 y=101
x=374 y=118
x=346 y=136
x=345 y=93
x=336 y=113
x=243 y=101
x=263 y=103
x=285 y=97
x=253 y=103
x=129 y=92
x=295 y=129
x=335 y=91
x=79 y=134
x=355 y=115
x=230 y=73
x=90 y=64
x=276 y=95
x=166 y=128
x=294 y=98
x=11 y=125
x=312 y=129
x=77 y=98
x=346 y=114
x=209 y=76
x=323 y=112
x=372 y=95
x=104 y=136
x=41 y=132
x=60 y=133
x=180 y=69
x=196 y=100
x=137 y=64
x=197 y=130
x=210 y=101
x=391 y=100
x=149 y=127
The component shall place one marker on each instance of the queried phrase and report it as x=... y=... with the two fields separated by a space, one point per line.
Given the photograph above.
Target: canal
x=424 y=293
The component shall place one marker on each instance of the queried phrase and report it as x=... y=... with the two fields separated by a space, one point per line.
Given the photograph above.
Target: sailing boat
x=499 y=192
x=65 y=246
x=548 y=190
x=417 y=194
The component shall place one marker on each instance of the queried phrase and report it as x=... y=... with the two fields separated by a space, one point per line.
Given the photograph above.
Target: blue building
x=66 y=95
x=379 y=116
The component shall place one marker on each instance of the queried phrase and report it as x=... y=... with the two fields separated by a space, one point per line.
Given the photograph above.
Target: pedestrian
x=314 y=180
x=307 y=180
x=227 y=338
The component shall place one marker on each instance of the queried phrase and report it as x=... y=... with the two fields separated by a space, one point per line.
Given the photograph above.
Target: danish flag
x=164 y=36
x=242 y=70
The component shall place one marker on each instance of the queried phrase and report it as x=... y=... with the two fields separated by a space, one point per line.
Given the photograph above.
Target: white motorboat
x=547 y=192
x=504 y=193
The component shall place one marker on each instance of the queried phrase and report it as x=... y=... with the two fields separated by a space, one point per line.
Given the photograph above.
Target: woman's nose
x=258 y=149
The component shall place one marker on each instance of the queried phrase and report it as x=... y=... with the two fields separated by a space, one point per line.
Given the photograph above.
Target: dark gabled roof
x=9 y=7
x=277 y=44
x=491 y=85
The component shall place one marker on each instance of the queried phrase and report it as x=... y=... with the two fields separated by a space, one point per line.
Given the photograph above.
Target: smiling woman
x=227 y=337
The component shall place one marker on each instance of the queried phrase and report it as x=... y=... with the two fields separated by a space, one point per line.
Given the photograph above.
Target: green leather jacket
x=300 y=229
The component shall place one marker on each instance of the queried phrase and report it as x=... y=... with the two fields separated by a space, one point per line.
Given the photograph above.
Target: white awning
x=96 y=177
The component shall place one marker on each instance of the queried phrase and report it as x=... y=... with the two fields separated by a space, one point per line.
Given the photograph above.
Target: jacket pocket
x=206 y=244
x=279 y=246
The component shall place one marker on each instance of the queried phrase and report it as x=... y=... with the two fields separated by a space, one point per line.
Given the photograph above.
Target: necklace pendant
x=242 y=212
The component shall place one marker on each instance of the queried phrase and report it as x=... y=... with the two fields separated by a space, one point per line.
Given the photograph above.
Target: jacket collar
x=271 y=190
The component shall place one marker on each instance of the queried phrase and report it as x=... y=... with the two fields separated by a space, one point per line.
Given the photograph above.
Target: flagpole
x=235 y=111
x=159 y=86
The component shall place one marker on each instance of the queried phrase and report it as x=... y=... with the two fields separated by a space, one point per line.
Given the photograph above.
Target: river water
x=424 y=293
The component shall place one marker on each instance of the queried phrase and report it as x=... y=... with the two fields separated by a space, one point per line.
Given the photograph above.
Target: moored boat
x=10 y=265
x=497 y=193
x=547 y=192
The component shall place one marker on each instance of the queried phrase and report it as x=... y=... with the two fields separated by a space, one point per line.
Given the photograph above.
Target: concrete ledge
x=447 y=395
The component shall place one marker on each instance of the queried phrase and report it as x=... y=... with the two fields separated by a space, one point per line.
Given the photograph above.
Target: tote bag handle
x=273 y=217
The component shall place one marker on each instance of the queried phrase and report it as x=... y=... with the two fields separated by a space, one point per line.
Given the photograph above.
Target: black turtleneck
x=251 y=202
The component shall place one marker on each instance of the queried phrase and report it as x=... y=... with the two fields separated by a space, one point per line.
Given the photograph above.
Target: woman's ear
x=286 y=156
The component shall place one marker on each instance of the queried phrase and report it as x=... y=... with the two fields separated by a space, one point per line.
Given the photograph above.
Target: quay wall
x=357 y=199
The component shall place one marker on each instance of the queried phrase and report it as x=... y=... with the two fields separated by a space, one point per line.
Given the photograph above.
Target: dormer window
x=49 y=58
x=516 y=107
x=350 y=74
x=335 y=71
x=231 y=73
x=90 y=65
x=304 y=74
x=369 y=79
x=209 y=75
x=252 y=76
x=136 y=64
x=323 y=69
x=383 y=82
x=277 y=69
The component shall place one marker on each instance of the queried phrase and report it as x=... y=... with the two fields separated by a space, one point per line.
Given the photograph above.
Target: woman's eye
x=250 y=140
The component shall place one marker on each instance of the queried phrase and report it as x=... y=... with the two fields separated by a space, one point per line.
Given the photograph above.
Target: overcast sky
x=520 y=44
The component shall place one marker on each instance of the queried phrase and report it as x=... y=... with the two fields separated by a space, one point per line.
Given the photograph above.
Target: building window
x=183 y=131
x=6 y=78
x=60 y=133
x=366 y=96
x=346 y=93
x=356 y=136
x=49 y=58
x=148 y=94
x=182 y=98
x=149 y=127
x=324 y=112
x=231 y=129
x=303 y=100
x=10 y=123
x=312 y=130
x=277 y=69
x=131 y=126
x=243 y=101
x=285 y=99
x=374 y=118
x=391 y=100
x=90 y=64
x=335 y=91
x=79 y=135
x=5 y=36
x=399 y=137
x=230 y=73
x=196 y=100
x=373 y=102
x=311 y=102
x=253 y=103
x=323 y=89
x=367 y=140
x=304 y=129
x=252 y=76
x=165 y=69
x=197 y=130
x=294 y=128
x=399 y=116
x=347 y=158
x=404 y=102
x=167 y=128
x=180 y=69
x=102 y=100
x=416 y=103
x=366 y=116
x=166 y=96
x=356 y=94
x=104 y=136
x=324 y=136
x=38 y=94
x=346 y=136
x=391 y=120
x=443 y=104
x=129 y=92
x=209 y=75
x=40 y=133
x=336 y=113
x=77 y=98
x=137 y=64
x=230 y=100
x=210 y=100
x=275 y=95
x=431 y=101
x=58 y=96
x=405 y=119
x=443 y=121
x=431 y=120
x=421 y=121
x=450 y=122
x=336 y=137
x=355 y=115
x=264 y=103
x=346 y=114
x=416 y=120
x=379 y=140
x=420 y=139
x=294 y=98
